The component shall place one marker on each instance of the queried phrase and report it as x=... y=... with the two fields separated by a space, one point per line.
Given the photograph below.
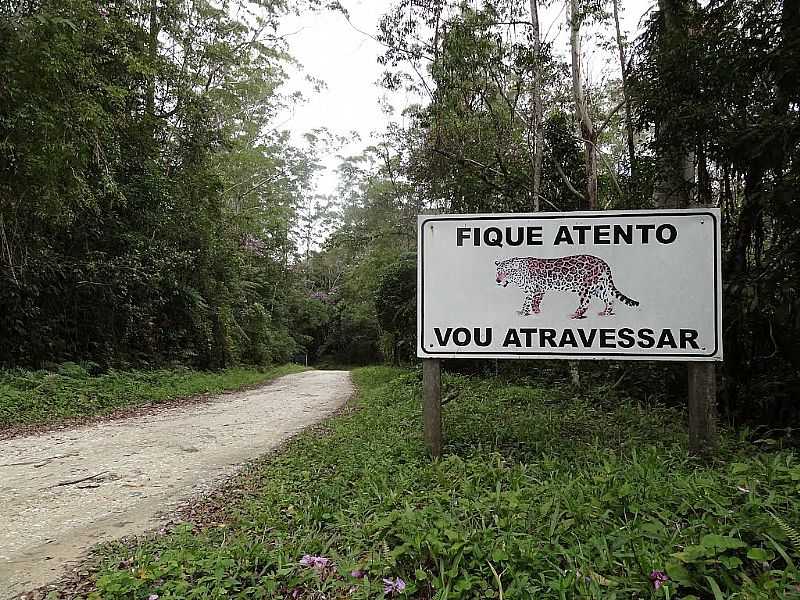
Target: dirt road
x=135 y=469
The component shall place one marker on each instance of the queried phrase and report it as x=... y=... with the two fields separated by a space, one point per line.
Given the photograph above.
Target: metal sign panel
x=623 y=285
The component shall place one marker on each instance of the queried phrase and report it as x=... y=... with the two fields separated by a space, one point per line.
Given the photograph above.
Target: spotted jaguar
x=584 y=274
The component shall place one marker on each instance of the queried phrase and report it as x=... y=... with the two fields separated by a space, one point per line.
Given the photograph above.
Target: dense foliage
x=706 y=114
x=737 y=110
x=151 y=213
x=365 y=273
x=542 y=495
x=145 y=202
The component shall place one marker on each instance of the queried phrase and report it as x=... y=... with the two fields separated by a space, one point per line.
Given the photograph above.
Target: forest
x=161 y=236
x=152 y=213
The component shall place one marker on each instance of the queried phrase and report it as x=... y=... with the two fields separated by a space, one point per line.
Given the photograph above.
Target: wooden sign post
x=432 y=405
x=702 y=408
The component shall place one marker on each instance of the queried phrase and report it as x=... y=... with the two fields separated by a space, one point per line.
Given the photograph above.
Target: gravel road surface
x=64 y=491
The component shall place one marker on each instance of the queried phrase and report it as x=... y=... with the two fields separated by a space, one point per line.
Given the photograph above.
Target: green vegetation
x=153 y=210
x=147 y=203
x=154 y=213
x=542 y=494
x=702 y=108
x=43 y=397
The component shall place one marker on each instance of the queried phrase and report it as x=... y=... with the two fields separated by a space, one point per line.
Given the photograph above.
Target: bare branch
x=610 y=115
x=567 y=182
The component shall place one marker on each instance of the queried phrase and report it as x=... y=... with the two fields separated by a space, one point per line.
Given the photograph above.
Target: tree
x=675 y=169
x=144 y=198
x=480 y=140
x=719 y=83
x=623 y=69
x=538 y=106
x=396 y=305
x=586 y=128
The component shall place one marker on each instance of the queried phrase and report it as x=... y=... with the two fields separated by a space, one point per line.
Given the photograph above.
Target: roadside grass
x=43 y=397
x=541 y=495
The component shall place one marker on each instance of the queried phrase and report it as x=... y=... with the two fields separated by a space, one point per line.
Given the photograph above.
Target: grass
x=541 y=495
x=30 y=398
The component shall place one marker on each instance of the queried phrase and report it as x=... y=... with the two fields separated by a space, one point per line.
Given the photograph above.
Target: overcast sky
x=330 y=49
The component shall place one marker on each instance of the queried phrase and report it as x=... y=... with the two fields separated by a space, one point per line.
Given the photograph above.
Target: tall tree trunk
x=705 y=194
x=439 y=36
x=150 y=99
x=674 y=188
x=538 y=117
x=674 y=180
x=586 y=131
x=586 y=127
x=624 y=74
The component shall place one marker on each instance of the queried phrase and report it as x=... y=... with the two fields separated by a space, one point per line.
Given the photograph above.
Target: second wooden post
x=432 y=405
x=702 y=408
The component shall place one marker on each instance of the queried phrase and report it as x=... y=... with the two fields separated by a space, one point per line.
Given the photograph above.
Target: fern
x=789 y=531
x=387 y=554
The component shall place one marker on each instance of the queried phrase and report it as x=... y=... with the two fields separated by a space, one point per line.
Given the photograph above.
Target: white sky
x=330 y=49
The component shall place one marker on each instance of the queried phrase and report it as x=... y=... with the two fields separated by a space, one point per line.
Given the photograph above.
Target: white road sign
x=622 y=285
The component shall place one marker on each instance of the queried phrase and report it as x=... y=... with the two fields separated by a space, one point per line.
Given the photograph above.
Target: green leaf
x=738 y=468
x=781 y=551
x=715 y=588
x=694 y=553
x=498 y=554
x=678 y=573
x=721 y=542
x=758 y=554
x=731 y=562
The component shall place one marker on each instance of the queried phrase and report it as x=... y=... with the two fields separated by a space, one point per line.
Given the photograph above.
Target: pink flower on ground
x=658 y=578
x=358 y=574
x=152 y=597
x=392 y=587
x=317 y=562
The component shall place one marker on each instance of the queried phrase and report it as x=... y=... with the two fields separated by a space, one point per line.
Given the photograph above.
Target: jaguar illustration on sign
x=545 y=285
x=583 y=274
